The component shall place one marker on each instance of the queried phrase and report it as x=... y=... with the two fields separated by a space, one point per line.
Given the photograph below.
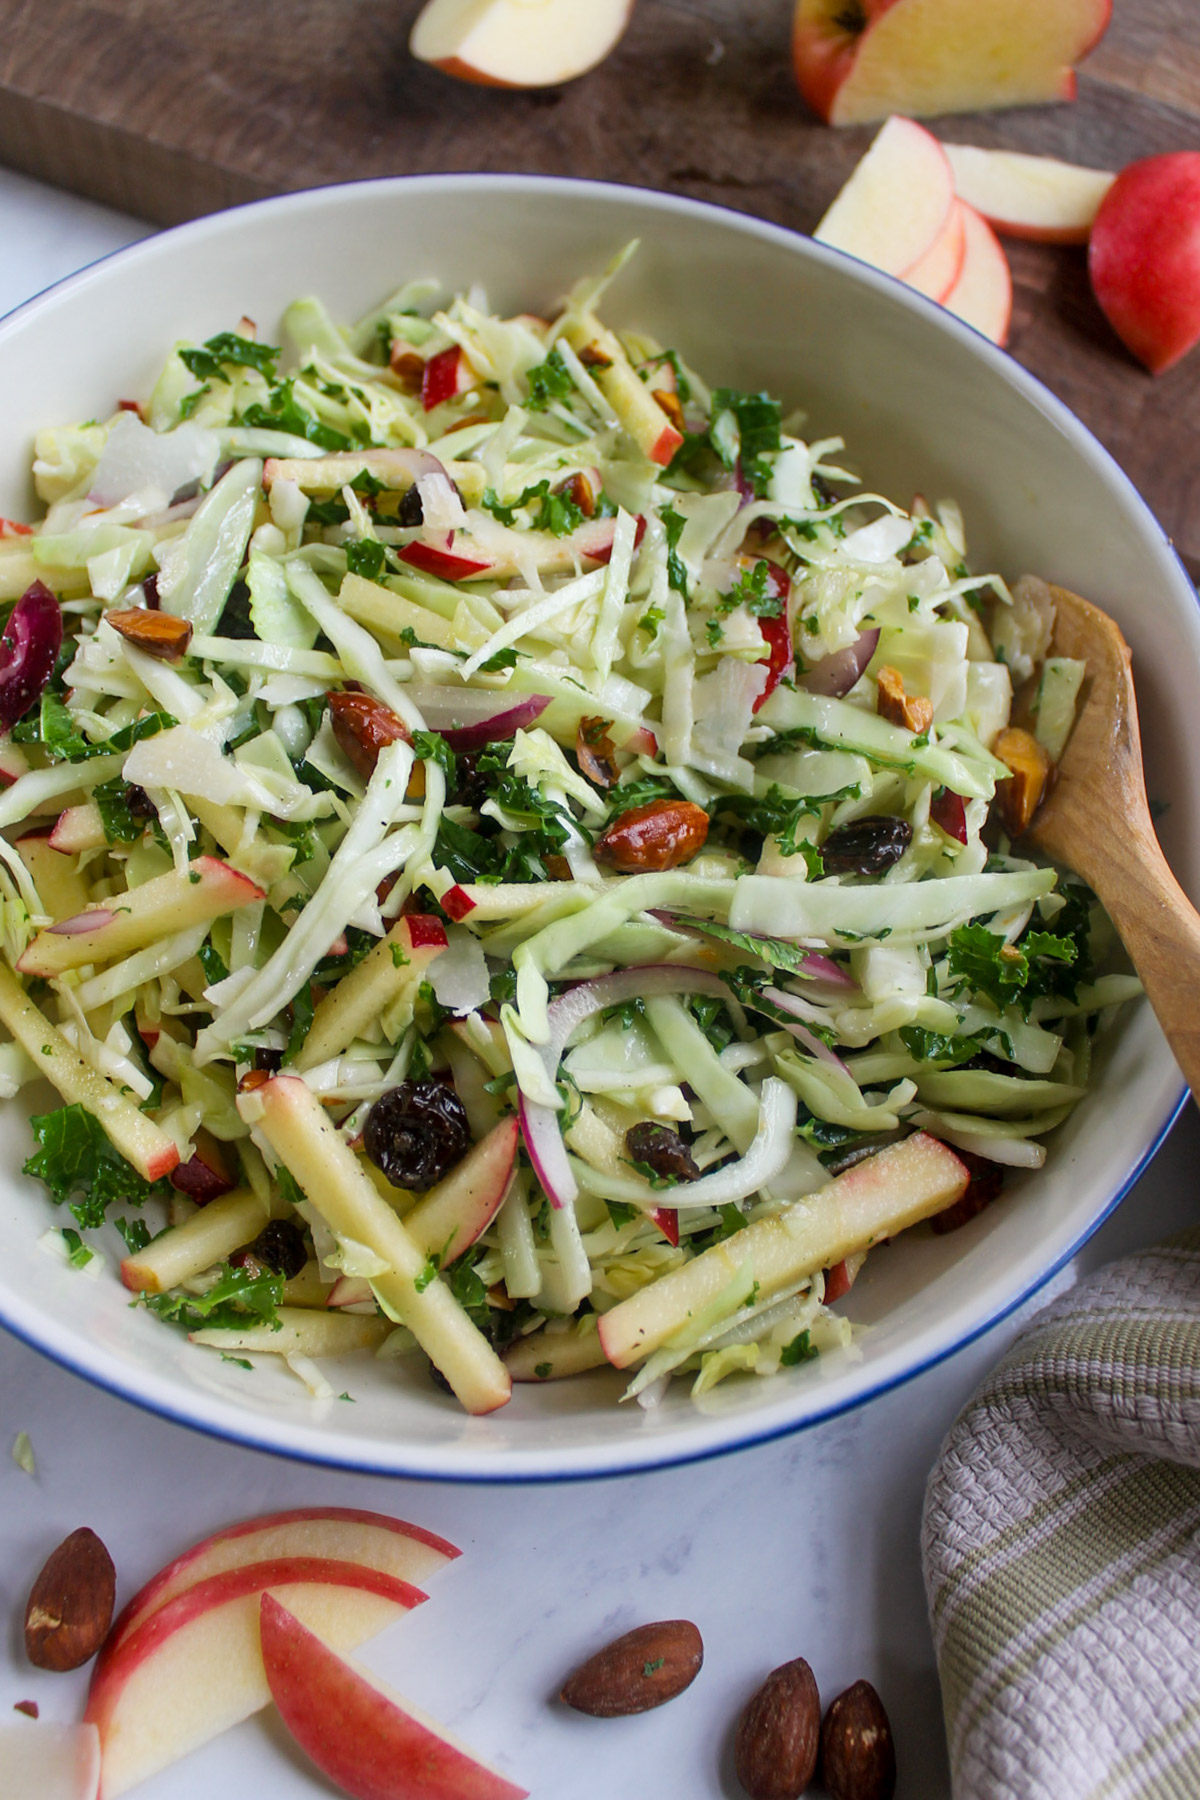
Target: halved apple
x=167 y=904
x=193 y=1667
x=897 y=203
x=876 y=1199
x=982 y=295
x=1029 y=196
x=371 y=1743
x=42 y=1760
x=338 y=1533
x=518 y=43
x=859 y=60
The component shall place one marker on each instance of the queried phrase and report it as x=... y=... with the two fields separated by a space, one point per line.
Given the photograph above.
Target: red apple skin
x=358 y=1736
x=1144 y=257
x=175 y=1574
x=124 y=1653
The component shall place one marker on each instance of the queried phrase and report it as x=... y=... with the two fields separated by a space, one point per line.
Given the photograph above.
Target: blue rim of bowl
x=748 y=1436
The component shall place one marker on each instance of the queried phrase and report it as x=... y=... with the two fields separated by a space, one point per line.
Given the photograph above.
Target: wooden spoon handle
x=1160 y=929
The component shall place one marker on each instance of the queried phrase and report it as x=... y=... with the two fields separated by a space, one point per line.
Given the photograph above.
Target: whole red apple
x=1144 y=258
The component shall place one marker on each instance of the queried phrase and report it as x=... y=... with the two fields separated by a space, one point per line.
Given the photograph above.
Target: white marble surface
x=804 y=1547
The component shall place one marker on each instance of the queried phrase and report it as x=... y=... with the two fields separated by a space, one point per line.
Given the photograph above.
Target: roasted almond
x=363 y=726
x=779 y=1734
x=595 y=752
x=71 y=1606
x=1018 y=798
x=407 y=367
x=580 y=492
x=644 y=1668
x=157 y=633
x=671 y=404
x=899 y=708
x=858 y=1757
x=658 y=836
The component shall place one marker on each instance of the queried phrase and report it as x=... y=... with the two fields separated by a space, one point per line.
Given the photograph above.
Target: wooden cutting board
x=171 y=108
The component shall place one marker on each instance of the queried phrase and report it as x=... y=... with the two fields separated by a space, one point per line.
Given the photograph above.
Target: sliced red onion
x=837 y=673
x=95 y=920
x=790 y=1003
x=29 y=647
x=539 y=1124
x=470 y=717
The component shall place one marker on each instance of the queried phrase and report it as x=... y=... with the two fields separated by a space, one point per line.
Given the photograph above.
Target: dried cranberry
x=662 y=1150
x=867 y=846
x=416 y=1132
x=280 y=1246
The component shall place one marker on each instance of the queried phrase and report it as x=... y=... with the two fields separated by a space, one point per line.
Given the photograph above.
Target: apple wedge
x=1029 y=196
x=159 y=908
x=394 y=968
x=298 y=1131
x=208 y=1237
x=511 y=43
x=337 y=1533
x=897 y=203
x=371 y=1743
x=42 y=1760
x=193 y=1668
x=982 y=295
x=876 y=1199
x=451 y=1216
x=140 y=1141
x=858 y=62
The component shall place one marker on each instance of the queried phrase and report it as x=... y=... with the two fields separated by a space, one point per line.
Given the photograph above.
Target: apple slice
x=193 y=1667
x=940 y=267
x=982 y=295
x=206 y=1175
x=41 y=1760
x=550 y=1356
x=1144 y=259
x=167 y=904
x=371 y=1743
x=79 y=828
x=1029 y=196
x=386 y=611
x=858 y=62
x=295 y=1125
x=896 y=204
x=338 y=1533
x=451 y=1216
x=393 y=969
x=300 y=1331
x=131 y=1131
x=878 y=1198
x=208 y=1237
x=635 y=406
x=508 y=43
x=60 y=886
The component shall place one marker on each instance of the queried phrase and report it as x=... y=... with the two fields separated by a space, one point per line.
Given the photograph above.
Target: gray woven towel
x=1061 y=1548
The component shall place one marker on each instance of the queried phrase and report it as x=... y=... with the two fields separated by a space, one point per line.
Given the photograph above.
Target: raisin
x=280 y=1246
x=867 y=846
x=662 y=1150
x=139 y=803
x=411 y=511
x=415 y=1133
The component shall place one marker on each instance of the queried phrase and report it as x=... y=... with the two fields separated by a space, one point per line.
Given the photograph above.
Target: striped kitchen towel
x=1061 y=1548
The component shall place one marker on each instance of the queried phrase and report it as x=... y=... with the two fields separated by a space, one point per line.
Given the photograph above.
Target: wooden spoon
x=1096 y=821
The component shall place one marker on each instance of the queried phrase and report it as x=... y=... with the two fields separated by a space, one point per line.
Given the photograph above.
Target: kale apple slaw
x=495 y=824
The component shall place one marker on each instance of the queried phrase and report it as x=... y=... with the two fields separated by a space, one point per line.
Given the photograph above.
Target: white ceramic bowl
x=926 y=405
